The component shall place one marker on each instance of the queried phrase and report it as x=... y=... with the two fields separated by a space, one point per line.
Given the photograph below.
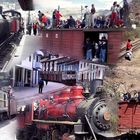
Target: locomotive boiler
x=67 y=115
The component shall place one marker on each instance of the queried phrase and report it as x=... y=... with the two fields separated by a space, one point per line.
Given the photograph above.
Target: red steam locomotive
x=68 y=115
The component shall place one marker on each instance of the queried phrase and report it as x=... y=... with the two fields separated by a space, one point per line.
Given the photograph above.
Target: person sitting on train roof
x=71 y=22
x=126 y=96
x=40 y=14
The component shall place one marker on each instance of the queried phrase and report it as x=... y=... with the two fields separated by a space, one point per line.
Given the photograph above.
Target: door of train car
x=99 y=45
x=129 y=116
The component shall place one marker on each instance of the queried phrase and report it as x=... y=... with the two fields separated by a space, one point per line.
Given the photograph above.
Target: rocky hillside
x=135 y=10
x=126 y=74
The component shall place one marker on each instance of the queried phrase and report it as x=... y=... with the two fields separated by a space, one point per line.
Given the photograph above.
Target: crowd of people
x=131 y=97
x=118 y=17
x=96 y=50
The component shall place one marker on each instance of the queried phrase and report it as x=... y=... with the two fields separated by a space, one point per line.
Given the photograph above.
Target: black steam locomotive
x=10 y=24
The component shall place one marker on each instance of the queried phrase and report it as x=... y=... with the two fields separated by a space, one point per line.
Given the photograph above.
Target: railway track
x=7 y=47
x=135 y=44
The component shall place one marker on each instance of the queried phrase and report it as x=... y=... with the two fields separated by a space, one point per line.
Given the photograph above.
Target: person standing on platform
x=41 y=85
x=34 y=28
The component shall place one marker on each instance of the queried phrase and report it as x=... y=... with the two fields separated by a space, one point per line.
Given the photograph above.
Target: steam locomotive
x=10 y=24
x=70 y=115
x=67 y=115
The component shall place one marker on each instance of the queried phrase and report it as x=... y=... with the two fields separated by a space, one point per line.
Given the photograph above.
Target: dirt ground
x=126 y=73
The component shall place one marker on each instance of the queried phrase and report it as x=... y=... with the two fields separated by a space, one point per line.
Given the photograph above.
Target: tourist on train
x=126 y=96
x=103 y=22
x=119 y=11
x=40 y=14
x=93 y=15
x=71 y=22
x=88 y=48
x=97 y=22
x=87 y=17
x=54 y=18
x=113 y=14
x=57 y=16
x=103 y=49
x=96 y=50
x=126 y=10
x=44 y=19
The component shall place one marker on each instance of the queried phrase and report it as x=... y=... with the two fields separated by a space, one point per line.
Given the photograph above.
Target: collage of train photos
x=69 y=70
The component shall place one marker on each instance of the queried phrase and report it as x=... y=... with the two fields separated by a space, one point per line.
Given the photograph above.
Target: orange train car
x=129 y=117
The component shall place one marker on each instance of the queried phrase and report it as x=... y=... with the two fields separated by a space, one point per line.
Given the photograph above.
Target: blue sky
x=99 y=4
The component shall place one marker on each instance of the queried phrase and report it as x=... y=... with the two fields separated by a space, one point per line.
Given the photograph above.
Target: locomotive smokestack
x=0 y=9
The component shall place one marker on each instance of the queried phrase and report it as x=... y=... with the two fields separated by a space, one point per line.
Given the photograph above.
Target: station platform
x=26 y=95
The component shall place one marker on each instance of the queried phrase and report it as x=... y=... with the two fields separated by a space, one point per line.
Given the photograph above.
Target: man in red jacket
x=128 y=45
x=128 y=55
x=57 y=16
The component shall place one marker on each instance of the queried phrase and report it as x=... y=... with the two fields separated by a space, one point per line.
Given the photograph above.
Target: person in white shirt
x=114 y=13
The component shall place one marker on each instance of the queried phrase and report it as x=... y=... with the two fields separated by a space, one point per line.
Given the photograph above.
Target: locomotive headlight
x=107 y=116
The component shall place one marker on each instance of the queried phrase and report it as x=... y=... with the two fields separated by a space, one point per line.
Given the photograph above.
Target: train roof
x=91 y=29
